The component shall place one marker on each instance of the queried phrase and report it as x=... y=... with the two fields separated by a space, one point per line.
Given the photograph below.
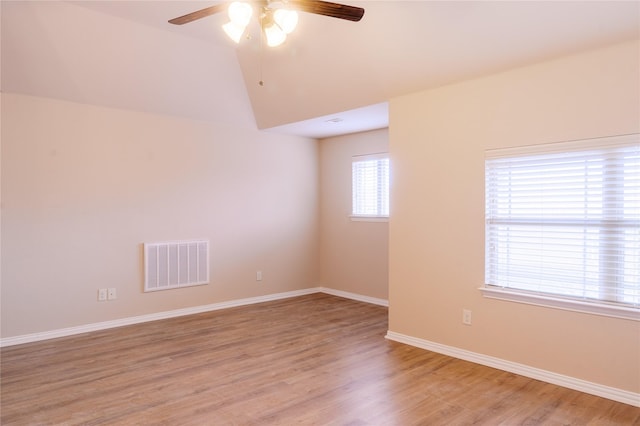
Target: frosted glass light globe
x=286 y=19
x=240 y=13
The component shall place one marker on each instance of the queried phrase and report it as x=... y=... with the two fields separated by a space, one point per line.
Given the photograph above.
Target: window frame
x=539 y=298
x=378 y=217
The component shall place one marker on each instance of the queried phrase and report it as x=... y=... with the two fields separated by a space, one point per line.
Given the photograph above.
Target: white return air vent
x=175 y=264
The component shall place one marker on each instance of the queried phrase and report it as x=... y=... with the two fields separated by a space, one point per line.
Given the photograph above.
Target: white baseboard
x=35 y=337
x=614 y=394
x=608 y=392
x=45 y=335
x=354 y=296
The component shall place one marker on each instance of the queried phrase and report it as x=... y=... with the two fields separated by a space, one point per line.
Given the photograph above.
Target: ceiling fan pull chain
x=260 y=82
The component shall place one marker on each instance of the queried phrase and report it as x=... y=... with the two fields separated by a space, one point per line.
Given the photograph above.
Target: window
x=563 y=222
x=370 y=186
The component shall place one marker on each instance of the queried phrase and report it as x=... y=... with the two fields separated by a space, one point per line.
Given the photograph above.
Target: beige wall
x=436 y=241
x=353 y=255
x=83 y=187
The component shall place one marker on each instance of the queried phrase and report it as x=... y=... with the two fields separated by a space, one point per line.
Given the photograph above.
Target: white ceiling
x=331 y=77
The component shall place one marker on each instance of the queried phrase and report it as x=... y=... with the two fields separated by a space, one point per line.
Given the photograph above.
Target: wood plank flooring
x=310 y=360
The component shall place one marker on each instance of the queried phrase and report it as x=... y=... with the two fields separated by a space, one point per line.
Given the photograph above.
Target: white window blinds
x=564 y=220
x=370 y=185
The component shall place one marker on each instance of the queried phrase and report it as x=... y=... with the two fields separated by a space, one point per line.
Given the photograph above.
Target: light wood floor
x=311 y=360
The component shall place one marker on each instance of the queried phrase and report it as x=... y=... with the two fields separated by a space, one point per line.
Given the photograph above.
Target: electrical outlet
x=258 y=275
x=111 y=293
x=466 y=316
x=102 y=294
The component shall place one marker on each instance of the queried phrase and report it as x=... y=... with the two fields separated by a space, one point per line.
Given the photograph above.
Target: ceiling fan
x=277 y=18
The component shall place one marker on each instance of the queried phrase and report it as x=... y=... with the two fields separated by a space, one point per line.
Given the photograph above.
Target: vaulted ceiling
x=330 y=77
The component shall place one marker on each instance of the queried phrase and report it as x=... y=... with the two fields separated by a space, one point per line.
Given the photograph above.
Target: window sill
x=369 y=218
x=565 y=304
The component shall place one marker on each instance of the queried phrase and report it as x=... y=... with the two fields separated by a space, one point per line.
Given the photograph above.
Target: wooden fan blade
x=334 y=10
x=198 y=14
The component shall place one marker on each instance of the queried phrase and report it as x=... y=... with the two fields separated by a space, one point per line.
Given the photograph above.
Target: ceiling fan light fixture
x=286 y=19
x=233 y=31
x=275 y=18
x=240 y=13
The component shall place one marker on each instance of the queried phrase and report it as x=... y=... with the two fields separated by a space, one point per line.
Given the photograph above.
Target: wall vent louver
x=175 y=264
